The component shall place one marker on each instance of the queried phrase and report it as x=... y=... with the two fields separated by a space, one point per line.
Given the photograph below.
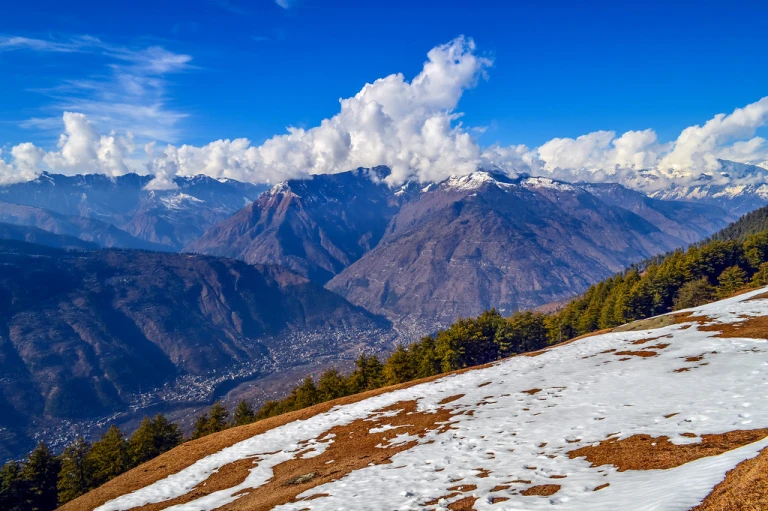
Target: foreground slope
x=650 y=417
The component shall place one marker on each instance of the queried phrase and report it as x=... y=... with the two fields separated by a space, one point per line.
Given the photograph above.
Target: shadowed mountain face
x=84 y=334
x=41 y=237
x=316 y=227
x=428 y=254
x=161 y=219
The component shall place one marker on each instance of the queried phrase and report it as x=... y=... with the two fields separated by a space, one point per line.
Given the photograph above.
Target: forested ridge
x=704 y=272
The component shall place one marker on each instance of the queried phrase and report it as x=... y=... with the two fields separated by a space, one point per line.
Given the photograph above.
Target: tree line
x=682 y=279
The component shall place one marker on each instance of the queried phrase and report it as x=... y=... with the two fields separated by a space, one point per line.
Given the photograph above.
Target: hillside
x=752 y=223
x=85 y=335
x=662 y=414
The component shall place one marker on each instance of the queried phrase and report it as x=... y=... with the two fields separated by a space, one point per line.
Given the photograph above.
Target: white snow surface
x=588 y=394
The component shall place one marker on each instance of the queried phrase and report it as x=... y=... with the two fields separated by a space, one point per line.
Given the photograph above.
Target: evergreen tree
x=215 y=420
x=331 y=385
x=730 y=280
x=244 y=414
x=201 y=426
x=40 y=472
x=306 y=394
x=694 y=293
x=152 y=438
x=76 y=471
x=13 y=488
x=109 y=456
x=397 y=369
x=368 y=374
x=760 y=278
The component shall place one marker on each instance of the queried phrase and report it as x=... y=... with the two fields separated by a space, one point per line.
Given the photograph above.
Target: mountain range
x=121 y=211
x=424 y=255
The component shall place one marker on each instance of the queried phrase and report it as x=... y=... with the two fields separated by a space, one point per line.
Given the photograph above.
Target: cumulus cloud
x=412 y=126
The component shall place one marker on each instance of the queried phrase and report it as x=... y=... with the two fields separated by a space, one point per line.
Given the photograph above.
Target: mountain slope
x=483 y=241
x=85 y=334
x=316 y=227
x=87 y=229
x=168 y=217
x=650 y=417
x=41 y=237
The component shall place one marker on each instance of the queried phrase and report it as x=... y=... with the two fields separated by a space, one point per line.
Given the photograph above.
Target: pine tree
x=760 y=278
x=397 y=368
x=152 y=438
x=40 y=472
x=76 y=471
x=694 y=293
x=244 y=414
x=331 y=385
x=13 y=488
x=219 y=418
x=109 y=456
x=201 y=426
x=167 y=434
x=213 y=421
x=730 y=280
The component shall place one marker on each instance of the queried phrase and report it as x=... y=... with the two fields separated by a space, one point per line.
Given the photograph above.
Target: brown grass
x=643 y=452
x=544 y=490
x=531 y=391
x=450 y=399
x=745 y=488
x=761 y=296
x=640 y=353
x=352 y=448
x=188 y=453
x=598 y=488
x=752 y=327
x=465 y=504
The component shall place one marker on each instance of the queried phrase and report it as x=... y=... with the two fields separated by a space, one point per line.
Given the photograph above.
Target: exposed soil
x=745 y=488
x=640 y=353
x=188 y=453
x=643 y=452
x=544 y=490
x=351 y=447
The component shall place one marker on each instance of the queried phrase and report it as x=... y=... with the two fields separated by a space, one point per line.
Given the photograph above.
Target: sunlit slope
x=633 y=420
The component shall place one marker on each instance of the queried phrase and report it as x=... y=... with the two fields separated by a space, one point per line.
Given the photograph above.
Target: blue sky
x=559 y=69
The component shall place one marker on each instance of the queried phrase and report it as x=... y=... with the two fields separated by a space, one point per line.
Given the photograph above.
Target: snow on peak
x=179 y=200
x=515 y=425
x=472 y=181
x=545 y=182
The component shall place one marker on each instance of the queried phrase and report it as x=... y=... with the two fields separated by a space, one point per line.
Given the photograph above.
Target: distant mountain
x=96 y=232
x=736 y=187
x=317 y=227
x=88 y=334
x=484 y=240
x=432 y=252
x=171 y=218
x=41 y=237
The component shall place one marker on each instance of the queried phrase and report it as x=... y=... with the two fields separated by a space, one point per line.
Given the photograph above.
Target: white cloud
x=411 y=126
